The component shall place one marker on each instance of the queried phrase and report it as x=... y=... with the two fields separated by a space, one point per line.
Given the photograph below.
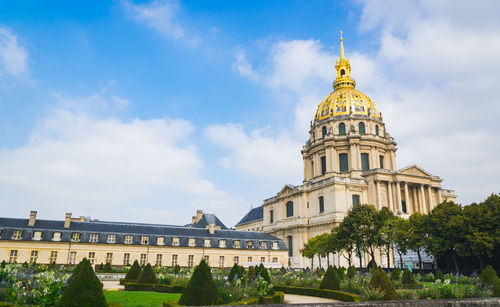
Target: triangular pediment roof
x=287 y=190
x=415 y=170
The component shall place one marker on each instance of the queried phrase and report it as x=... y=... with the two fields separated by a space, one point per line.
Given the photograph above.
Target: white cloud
x=244 y=68
x=161 y=15
x=13 y=57
x=140 y=170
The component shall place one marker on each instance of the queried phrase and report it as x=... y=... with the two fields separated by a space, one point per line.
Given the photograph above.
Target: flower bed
x=325 y=293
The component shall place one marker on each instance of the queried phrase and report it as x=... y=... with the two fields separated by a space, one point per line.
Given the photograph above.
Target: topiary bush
x=396 y=274
x=439 y=275
x=107 y=268
x=351 y=272
x=331 y=280
x=251 y=274
x=134 y=271
x=381 y=282
x=488 y=276
x=371 y=265
x=2 y=265
x=262 y=272
x=340 y=273
x=408 y=278
x=235 y=272
x=148 y=276
x=201 y=289
x=84 y=289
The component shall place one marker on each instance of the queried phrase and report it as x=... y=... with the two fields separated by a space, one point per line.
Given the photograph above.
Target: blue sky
x=149 y=110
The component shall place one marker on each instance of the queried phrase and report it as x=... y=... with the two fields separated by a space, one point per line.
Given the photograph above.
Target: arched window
x=312 y=168
x=290 y=246
x=376 y=129
x=342 y=129
x=323 y=131
x=343 y=163
x=342 y=72
x=365 y=164
x=361 y=127
x=323 y=165
x=289 y=209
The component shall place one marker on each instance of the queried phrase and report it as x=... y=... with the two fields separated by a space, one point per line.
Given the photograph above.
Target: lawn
x=140 y=298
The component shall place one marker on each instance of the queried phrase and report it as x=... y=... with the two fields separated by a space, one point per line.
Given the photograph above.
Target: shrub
x=84 y=289
x=282 y=270
x=496 y=289
x=341 y=273
x=134 y=271
x=235 y=270
x=372 y=264
x=408 y=278
x=381 y=281
x=201 y=289
x=77 y=269
x=325 y=293
x=351 y=272
x=396 y=274
x=2 y=265
x=429 y=277
x=107 y=268
x=262 y=272
x=331 y=280
x=488 y=276
x=147 y=276
x=251 y=274
x=439 y=275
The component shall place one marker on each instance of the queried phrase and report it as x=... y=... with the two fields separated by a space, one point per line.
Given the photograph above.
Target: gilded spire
x=343 y=70
x=342 y=56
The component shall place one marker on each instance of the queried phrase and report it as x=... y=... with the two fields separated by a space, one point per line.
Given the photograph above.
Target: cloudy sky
x=146 y=111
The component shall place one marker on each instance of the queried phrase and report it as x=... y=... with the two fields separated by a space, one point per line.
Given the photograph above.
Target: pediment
x=414 y=170
x=287 y=190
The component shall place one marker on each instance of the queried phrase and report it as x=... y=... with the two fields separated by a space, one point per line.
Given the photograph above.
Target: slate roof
x=206 y=219
x=137 y=230
x=255 y=214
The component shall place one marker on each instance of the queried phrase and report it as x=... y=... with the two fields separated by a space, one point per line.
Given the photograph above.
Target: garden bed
x=324 y=293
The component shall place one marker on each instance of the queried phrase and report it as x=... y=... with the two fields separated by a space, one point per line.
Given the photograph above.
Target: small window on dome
x=342 y=129
x=323 y=131
x=361 y=128
x=342 y=73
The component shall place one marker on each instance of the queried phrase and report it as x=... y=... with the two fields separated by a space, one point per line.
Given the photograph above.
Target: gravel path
x=111 y=285
x=302 y=299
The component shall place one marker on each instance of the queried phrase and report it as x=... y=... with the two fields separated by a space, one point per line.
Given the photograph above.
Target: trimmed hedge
x=325 y=293
x=123 y=281
x=134 y=271
x=132 y=286
x=147 y=276
x=277 y=298
x=381 y=281
x=331 y=280
x=201 y=289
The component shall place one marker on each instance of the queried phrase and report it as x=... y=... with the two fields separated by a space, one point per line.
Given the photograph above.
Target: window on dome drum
x=312 y=169
x=143 y=259
x=190 y=260
x=236 y=259
x=323 y=131
x=13 y=256
x=93 y=237
x=376 y=129
x=92 y=257
x=75 y=237
x=343 y=163
x=381 y=160
x=321 y=204
x=53 y=257
x=34 y=256
x=128 y=239
x=109 y=258
x=365 y=163
x=290 y=246
x=160 y=241
x=323 y=165
x=289 y=209
x=361 y=127
x=174 y=260
x=236 y=244
x=158 y=259
x=355 y=200
x=37 y=235
x=56 y=236
x=342 y=129
x=271 y=216
x=72 y=258
x=175 y=242
x=16 y=235
x=126 y=259
x=144 y=240
x=221 y=261
x=111 y=238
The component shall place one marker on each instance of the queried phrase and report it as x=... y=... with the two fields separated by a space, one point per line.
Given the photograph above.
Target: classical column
x=379 y=200
x=424 y=203
x=407 y=199
x=389 y=192
x=398 y=197
x=416 y=201
x=440 y=196
x=431 y=201
x=393 y=158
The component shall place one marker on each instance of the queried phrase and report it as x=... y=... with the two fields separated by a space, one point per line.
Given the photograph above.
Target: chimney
x=32 y=220
x=199 y=215
x=67 y=220
x=211 y=228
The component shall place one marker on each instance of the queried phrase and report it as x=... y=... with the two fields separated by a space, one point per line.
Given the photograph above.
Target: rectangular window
x=53 y=257
x=365 y=163
x=174 y=260
x=93 y=237
x=75 y=237
x=355 y=200
x=143 y=259
x=290 y=246
x=381 y=160
x=263 y=245
x=13 y=256
x=312 y=169
x=275 y=245
x=56 y=236
x=249 y=244
x=92 y=257
x=109 y=258
x=262 y=259
x=222 y=243
x=249 y=259
x=271 y=216
x=111 y=238
x=323 y=165
x=160 y=241
x=175 y=241
x=192 y=242
x=190 y=260
x=126 y=259
x=72 y=258
x=289 y=209
x=37 y=235
x=144 y=240
x=343 y=163
x=221 y=261
x=236 y=259
x=236 y=244
x=128 y=239
x=207 y=243
x=16 y=235
x=275 y=259
x=158 y=259
x=321 y=204
x=207 y=259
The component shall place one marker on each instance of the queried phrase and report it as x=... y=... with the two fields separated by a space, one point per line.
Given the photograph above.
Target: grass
x=140 y=298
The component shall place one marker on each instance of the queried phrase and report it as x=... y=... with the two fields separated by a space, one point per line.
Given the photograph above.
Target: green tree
x=147 y=276
x=331 y=280
x=417 y=236
x=134 y=271
x=201 y=289
x=380 y=281
x=342 y=241
x=386 y=232
x=362 y=220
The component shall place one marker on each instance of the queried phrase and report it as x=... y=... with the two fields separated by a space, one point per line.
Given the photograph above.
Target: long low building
x=70 y=240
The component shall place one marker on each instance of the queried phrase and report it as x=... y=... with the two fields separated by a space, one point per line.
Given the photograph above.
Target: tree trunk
x=455 y=262
x=312 y=263
x=328 y=259
x=400 y=259
x=372 y=253
x=419 y=260
x=389 y=258
x=319 y=259
x=360 y=260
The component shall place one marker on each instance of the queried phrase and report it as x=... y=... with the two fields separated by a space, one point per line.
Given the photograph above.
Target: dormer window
x=222 y=243
x=249 y=244
x=111 y=238
x=263 y=245
x=275 y=245
x=128 y=239
x=160 y=241
x=175 y=242
x=94 y=237
x=16 y=235
x=144 y=240
x=236 y=244
x=56 y=236
x=75 y=237
x=192 y=242
x=207 y=243
x=37 y=235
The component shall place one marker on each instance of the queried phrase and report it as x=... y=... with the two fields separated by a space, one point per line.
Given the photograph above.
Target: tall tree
x=400 y=227
x=385 y=232
x=417 y=236
x=341 y=241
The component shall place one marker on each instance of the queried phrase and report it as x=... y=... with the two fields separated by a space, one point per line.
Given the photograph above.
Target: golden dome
x=345 y=99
